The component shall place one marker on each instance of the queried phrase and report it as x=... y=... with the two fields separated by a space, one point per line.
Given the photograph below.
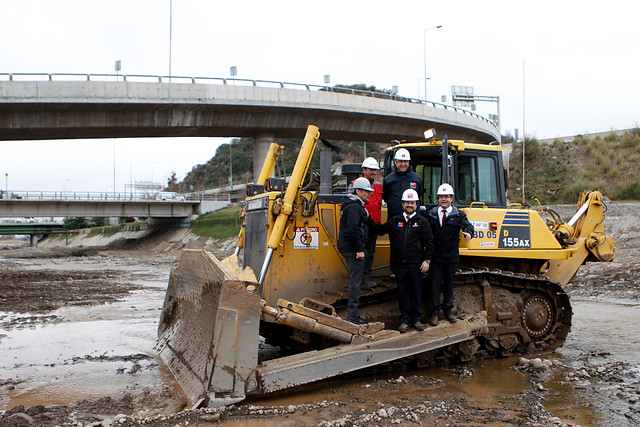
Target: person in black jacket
x=411 y=248
x=352 y=243
x=396 y=183
x=446 y=223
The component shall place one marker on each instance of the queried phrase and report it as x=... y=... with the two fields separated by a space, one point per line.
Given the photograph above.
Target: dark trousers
x=355 y=267
x=409 y=280
x=441 y=280
x=368 y=259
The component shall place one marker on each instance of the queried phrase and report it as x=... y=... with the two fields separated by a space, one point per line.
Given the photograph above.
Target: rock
x=523 y=362
x=20 y=419
x=211 y=418
x=291 y=409
x=382 y=413
x=536 y=363
x=119 y=417
x=548 y=363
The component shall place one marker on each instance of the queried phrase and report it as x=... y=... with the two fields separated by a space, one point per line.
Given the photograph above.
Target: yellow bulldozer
x=290 y=291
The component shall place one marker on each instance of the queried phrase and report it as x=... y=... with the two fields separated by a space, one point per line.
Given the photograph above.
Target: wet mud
x=77 y=336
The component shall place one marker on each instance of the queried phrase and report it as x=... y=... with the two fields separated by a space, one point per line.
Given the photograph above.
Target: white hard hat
x=410 y=195
x=362 y=184
x=370 y=163
x=445 y=189
x=402 y=154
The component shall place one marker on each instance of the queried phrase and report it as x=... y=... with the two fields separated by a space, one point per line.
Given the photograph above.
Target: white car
x=169 y=195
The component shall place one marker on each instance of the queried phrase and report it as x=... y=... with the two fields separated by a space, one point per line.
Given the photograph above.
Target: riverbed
x=89 y=361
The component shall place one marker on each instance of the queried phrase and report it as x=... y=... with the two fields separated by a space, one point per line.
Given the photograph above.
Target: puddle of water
x=604 y=326
x=51 y=359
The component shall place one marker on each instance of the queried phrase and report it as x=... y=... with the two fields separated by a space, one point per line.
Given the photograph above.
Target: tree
x=75 y=222
x=172 y=182
x=98 y=221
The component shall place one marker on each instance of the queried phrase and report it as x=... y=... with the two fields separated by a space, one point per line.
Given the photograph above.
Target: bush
x=532 y=148
x=628 y=191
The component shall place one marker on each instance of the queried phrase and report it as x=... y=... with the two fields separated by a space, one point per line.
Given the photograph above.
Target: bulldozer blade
x=208 y=331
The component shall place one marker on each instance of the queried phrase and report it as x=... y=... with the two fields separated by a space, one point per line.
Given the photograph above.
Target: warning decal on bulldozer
x=515 y=232
x=306 y=238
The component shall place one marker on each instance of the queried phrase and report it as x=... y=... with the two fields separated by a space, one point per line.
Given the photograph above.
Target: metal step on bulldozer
x=508 y=288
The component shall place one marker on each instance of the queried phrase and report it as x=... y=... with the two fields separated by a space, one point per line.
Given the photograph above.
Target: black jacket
x=394 y=185
x=446 y=238
x=354 y=233
x=410 y=241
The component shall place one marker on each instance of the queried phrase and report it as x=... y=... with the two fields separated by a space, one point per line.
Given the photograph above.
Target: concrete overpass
x=84 y=204
x=68 y=106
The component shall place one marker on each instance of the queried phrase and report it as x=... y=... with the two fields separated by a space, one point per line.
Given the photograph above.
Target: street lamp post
x=6 y=185
x=425 y=57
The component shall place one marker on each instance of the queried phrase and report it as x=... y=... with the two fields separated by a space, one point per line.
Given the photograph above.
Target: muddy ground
x=585 y=385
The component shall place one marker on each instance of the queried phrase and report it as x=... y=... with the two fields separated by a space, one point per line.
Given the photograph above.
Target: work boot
x=433 y=321
x=451 y=318
x=419 y=326
x=370 y=283
x=403 y=328
x=358 y=321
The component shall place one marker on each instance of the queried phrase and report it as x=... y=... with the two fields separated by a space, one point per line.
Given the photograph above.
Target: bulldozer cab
x=475 y=171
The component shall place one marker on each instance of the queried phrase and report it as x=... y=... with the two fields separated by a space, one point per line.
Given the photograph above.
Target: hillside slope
x=558 y=172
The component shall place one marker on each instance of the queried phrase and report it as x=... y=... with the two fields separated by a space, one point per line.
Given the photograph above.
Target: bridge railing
x=149 y=78
x=108 y=196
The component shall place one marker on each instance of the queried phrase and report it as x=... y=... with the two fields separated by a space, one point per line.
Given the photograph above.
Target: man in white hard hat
x=446 y=223
x=352 y=242
x=411 y=251
x=396 y=183
x=369 y=170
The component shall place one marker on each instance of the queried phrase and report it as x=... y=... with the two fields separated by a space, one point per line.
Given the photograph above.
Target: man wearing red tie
x=446 y=223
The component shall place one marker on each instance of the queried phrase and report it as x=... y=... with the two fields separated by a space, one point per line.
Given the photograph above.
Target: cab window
x=431 y=174
x=477 y=180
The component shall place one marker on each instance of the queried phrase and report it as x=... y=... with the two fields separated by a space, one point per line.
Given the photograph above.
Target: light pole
x=64 y=181
x=6 y=185
x=425 y=57
x=170 y=34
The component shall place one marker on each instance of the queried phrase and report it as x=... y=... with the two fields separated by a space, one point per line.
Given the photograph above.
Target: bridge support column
x=261 y=145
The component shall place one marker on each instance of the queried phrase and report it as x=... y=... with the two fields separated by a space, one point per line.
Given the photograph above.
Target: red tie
x=444 y=216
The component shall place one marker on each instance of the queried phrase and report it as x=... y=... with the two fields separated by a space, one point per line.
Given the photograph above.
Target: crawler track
x=526 y=314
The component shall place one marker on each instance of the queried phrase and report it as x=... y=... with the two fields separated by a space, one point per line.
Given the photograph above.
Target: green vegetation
x=219 y=224
x=558 y=172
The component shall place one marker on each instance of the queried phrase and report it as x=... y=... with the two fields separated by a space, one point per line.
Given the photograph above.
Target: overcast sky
x=577 y=62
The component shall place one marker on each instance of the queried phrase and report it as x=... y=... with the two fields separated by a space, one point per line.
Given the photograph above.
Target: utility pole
x=425 y=58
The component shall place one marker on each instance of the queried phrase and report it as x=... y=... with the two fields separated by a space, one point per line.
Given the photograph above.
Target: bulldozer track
x=526 y=314
x=539 y=320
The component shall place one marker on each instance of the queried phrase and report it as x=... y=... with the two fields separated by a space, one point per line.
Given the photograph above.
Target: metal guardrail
x=107 y=196
x=146 y=78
